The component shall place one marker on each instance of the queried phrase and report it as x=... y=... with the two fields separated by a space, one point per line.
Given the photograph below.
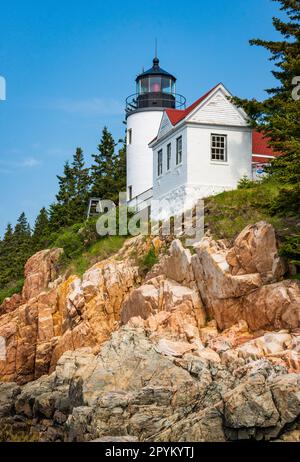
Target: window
x=219 y=148
x=166 y=85
x=144 y=85
x=179 y=150
x=159 y=162
x=155 y=84
x=169 y=154
x=129 y=193
x=129 y=139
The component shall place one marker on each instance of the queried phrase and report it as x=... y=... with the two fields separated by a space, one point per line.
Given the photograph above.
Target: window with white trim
x=179 y=150
x=219 y=148
x=159 y=162
x=169 y=155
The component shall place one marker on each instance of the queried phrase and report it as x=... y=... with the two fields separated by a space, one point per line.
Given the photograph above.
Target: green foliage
x=9 y=290
x=120 y=169
x=65 y=224
x=100 y=250
x=291 y=249
x=228 y=213
x=71 y=241
x=279 y=115
x=148 y=260
x=84 y=247
x=40 y=236
x=6 y=257
x=88 y=231
x=81 y=185
x=73 y=194
x=15 y=249
x=108 y=169
x=245 y=183
x=287 y=201
x=297 y=277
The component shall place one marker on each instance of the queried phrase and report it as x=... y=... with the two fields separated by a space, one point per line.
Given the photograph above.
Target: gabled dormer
x=165 y=125
x=217 y=109
x=214 y=108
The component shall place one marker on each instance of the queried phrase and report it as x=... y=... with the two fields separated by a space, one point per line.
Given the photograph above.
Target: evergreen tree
x=81 y=180
x=57 y=217
x=279 y=115
x=61 y=211
x=120 y=169
x=104 y=169
x=21 y=245
x=66 y=186
x=8 y=233
x=6 y=257
x=40 y=237
x=72 y=197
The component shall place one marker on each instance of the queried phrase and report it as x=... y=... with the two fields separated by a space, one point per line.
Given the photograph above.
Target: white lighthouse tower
x=155 y=92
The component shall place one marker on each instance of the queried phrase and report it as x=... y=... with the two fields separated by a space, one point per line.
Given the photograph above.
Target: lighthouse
x=155 y=92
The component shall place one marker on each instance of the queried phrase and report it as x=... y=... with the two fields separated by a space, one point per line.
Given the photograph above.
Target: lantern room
x=155 y=88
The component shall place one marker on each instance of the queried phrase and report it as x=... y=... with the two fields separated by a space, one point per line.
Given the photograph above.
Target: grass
x=15 y=288
x=228 y=213
x=148 y=261
x=100 y=250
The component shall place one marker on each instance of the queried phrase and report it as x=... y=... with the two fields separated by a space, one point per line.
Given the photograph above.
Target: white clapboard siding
x=165 y=126
x=218 y=110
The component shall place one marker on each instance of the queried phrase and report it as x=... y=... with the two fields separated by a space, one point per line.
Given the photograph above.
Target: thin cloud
x=57 y=152
x=27 y=162
x=89 y=107
x=30 y=162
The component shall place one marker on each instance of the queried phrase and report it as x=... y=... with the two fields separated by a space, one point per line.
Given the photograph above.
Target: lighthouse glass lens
x=166 y=85
x=155 y=84
x=145 y=85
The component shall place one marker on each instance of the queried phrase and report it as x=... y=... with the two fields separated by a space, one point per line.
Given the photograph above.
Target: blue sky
x=69 y=66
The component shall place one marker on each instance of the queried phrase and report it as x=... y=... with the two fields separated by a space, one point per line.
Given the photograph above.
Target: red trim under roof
x=261 y=160
x=177 y=115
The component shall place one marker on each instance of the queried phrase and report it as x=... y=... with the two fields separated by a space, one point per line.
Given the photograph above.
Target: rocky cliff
x=206 y=347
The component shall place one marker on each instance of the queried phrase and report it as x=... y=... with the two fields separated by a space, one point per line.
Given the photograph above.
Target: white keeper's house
x=177 y=155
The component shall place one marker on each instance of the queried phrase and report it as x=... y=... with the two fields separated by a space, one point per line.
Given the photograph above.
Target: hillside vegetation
x=228 y=213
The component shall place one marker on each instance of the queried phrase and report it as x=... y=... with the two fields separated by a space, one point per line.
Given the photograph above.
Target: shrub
x=71 y=242
x=100 y=250
x=246 y=183
x=287 y=201
x=148 y=261
x=8 y=291
x=291 y=249
x=88 y=231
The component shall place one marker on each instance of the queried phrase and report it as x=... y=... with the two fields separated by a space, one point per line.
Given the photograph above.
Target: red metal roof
x=260 y=145
x=177 y=115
